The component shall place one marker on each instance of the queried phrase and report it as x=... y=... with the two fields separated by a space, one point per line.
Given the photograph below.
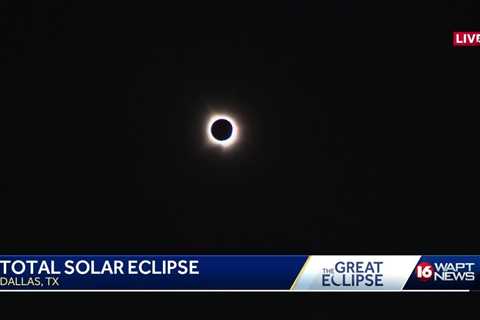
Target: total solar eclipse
x=222 y=130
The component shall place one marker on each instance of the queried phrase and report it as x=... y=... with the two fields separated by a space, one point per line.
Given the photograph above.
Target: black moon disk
x=221 y=129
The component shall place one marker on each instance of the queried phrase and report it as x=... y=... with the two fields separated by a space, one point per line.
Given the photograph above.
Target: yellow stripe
x=300 y=273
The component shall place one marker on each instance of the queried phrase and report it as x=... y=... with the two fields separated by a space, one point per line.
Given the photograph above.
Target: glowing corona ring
x=227 y=142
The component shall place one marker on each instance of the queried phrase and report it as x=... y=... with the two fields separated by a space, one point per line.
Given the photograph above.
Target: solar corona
x=222 y=130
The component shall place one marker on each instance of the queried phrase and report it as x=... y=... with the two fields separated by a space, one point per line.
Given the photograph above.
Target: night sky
x=357 y=123
x=354 y=138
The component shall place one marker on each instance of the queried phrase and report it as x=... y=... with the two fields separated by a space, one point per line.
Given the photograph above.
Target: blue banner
x=149 y=272
x=239 y=273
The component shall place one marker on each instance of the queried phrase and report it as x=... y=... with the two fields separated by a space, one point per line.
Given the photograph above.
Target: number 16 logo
x=424 y=271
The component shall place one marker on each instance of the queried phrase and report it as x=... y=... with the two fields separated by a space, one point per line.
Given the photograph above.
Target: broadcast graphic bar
x=282 y=273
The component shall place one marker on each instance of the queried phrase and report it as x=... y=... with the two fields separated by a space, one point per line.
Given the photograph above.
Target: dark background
x=358 y=134
x=358 y=128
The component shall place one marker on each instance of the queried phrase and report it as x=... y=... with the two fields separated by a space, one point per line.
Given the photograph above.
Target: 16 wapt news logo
x=445 y=271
